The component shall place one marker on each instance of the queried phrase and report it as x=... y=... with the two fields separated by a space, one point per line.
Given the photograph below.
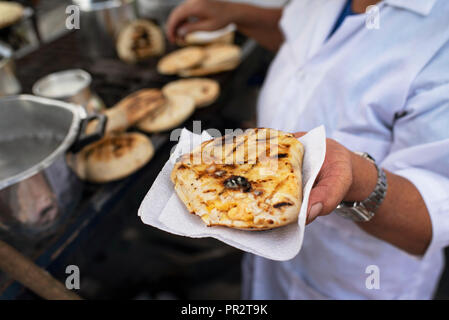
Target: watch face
x=356 y=213
x=345 y=212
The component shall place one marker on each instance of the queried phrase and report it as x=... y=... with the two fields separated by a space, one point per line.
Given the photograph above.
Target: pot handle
x=83 y=139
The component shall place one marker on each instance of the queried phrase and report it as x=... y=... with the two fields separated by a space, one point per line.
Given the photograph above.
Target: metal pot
x=37 y=188
x=8 y=82
x=101 y=21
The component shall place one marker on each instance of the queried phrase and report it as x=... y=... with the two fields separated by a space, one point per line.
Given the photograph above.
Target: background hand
x=194 y=15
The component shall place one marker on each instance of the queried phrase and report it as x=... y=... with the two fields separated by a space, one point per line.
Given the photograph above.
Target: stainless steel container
x=8 y=82
x=69 y=86
x=101 y=21
x=37 y=188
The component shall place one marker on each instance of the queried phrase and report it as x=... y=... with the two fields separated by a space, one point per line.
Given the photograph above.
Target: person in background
x=379 y=88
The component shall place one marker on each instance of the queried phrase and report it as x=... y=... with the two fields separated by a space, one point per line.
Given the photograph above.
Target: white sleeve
x=420 y=153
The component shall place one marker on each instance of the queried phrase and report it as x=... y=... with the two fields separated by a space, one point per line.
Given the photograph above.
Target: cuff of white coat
x=434 y=190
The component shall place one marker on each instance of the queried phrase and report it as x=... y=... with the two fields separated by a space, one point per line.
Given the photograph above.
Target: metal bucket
x=70 y=86
x=37 y=187
x=100 y=23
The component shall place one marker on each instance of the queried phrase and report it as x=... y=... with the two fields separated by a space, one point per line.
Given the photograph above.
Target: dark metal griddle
x=113 y=80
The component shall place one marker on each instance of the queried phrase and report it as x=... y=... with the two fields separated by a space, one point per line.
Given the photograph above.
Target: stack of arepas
x=122 y=153
x=195 y=61
x=119 y=153
x=183 y=96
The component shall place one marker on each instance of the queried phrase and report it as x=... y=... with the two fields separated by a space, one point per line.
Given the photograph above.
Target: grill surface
x=102 y=223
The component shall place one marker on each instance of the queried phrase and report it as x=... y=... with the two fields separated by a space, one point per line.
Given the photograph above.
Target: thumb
x=323 y=199
x=177 y=17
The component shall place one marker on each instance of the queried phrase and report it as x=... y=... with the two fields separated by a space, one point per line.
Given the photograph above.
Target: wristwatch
x=363 y=211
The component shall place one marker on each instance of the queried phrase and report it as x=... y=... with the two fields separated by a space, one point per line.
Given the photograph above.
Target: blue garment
x=347 y=11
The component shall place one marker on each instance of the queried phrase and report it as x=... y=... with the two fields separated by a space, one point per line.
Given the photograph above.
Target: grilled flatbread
x=219 y=54
x=180 y=59
x=113 y=157
x=219 y=58
x=203 y=91
x=140 y=40
x=205 y=71
x=176 y=110
x=250 y=181
x=131 y=109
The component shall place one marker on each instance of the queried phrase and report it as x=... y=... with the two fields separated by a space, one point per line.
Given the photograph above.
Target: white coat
x=383 y=91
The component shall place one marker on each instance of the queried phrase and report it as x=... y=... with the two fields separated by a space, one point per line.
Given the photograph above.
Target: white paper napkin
x=209 y=36
x=161 y=207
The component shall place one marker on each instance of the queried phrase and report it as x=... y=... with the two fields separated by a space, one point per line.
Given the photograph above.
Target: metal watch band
x=375 y=199
x=364 y=210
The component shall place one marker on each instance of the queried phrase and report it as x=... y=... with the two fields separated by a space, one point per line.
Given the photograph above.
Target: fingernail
x=315 y=210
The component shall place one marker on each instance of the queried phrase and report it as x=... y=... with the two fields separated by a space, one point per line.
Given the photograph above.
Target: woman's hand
x=338 y=180
x=194 y=15
x=261 y=24
x=333 y=180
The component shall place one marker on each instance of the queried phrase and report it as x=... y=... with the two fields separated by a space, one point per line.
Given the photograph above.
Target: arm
x=255 y=22
x=402 y=219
